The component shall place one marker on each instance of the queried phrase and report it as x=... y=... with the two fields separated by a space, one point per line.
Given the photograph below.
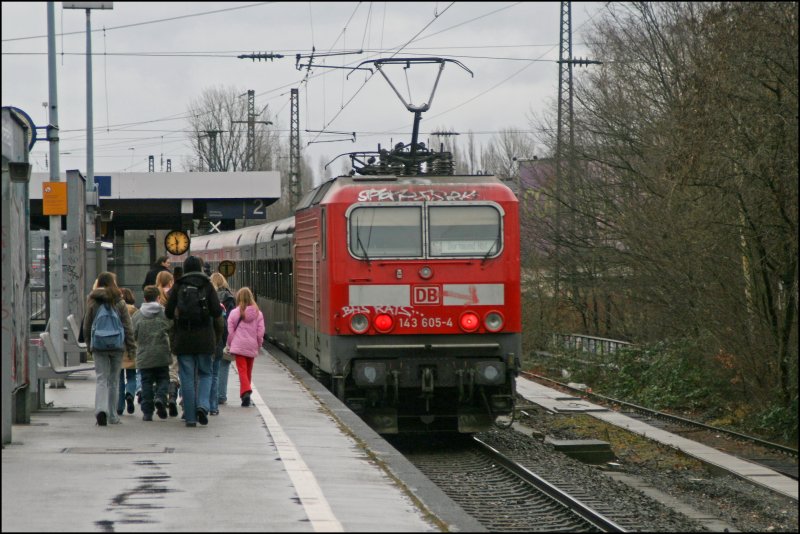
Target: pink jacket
x=246 y=336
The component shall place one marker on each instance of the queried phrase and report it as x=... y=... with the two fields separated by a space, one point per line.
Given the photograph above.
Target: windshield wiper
x=360 y=244
x=496 y=244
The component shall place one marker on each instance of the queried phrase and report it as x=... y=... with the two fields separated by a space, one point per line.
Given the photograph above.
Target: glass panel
x=464 y=231
x=384 y=232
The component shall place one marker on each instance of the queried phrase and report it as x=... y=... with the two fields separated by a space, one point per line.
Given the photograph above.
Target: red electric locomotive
x=403 y=293
x=398 y=286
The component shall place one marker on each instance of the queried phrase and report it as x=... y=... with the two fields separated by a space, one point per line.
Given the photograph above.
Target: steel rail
x=583 y=511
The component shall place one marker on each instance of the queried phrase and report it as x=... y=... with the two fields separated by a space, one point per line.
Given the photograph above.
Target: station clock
x=177 y=242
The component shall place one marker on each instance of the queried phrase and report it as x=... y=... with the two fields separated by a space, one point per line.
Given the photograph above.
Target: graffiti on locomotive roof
x=404 y=195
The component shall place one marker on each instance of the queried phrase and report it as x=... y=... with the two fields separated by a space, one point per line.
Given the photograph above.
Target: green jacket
x=151 y=332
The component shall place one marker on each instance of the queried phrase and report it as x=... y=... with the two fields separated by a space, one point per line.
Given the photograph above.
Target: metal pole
x=89 y=118
x=92 y=207
x=56 y=248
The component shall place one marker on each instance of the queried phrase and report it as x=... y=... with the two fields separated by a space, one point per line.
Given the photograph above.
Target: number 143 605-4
x=425 y=322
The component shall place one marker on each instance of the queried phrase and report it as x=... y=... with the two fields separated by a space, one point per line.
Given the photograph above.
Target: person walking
x=219 y=395
x=151 y=332
x=160 y=265
x=164 y=283
x=195 y=309
x=245 y=336
x=106 y=294
x=129 y=382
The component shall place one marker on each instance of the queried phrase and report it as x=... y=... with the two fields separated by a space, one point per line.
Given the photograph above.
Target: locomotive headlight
x=490 y=373
x=493 y=321
x=469 y=321
x=383 y=322
x=359 y=323
x=425 y=272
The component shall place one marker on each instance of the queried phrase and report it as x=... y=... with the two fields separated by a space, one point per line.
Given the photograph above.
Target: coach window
x=386 y=232
x=464 y=231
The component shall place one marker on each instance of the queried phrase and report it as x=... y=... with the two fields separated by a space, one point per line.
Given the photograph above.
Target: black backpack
x=192 y=306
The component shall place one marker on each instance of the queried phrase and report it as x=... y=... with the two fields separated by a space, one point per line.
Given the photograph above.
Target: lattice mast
x=564 y=134
x=294 y=149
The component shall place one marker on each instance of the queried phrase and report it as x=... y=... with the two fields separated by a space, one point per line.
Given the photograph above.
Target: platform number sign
x=227 y=268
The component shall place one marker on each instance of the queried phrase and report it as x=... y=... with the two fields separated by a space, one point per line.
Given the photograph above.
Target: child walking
x=245 y=336
x=151 y=331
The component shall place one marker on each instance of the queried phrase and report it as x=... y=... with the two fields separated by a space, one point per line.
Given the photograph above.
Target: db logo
x=426 y=295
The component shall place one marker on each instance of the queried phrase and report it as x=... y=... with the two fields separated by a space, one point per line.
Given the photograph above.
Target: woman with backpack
x=245 y=336
x=228 y=302
x=108 y=332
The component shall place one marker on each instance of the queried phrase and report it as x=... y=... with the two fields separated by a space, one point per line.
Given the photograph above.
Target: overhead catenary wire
x=271 y=93
x=155 y=21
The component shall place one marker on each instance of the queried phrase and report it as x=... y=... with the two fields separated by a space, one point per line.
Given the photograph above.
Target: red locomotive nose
x=383 y=322
x=469 y=321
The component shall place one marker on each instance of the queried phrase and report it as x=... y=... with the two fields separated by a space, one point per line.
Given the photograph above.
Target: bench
x=71 y=343
x=57 y=369
x=74 y=351
x=74 y=332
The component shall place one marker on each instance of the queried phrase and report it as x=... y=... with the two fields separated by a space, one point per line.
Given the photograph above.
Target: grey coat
x=151 y=331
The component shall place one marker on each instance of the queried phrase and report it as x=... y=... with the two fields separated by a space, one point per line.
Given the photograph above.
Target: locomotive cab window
x=386 y=232
x=464 y=231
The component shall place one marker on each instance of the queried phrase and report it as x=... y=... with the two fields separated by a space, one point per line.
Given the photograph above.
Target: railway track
x=500 y=493
x=656 y=418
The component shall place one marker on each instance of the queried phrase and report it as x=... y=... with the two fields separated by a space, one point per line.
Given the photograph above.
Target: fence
x=592 y=344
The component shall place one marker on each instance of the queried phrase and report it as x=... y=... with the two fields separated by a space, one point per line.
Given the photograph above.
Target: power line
x=83 y=32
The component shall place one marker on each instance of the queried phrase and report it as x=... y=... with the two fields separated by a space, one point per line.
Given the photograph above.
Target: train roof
x=424 y=188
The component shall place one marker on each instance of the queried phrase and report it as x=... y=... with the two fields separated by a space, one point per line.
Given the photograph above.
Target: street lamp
x=92 y=200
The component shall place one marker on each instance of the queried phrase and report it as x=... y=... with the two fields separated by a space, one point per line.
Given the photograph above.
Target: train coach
x=401 y=293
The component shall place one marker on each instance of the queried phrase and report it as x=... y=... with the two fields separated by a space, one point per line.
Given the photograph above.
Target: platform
x=556 y=401
x=291 y=463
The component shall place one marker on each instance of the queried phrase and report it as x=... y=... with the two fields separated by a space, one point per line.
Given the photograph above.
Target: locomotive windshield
x=452 y=231
x=463 y=231
x=386 y=232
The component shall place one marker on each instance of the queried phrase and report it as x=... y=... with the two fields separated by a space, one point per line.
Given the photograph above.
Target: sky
x=150 y=59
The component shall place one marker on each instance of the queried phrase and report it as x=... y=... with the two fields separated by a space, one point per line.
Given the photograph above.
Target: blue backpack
x=107 y=330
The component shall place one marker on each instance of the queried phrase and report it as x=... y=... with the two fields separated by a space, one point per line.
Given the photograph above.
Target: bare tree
x=501 y=155
x=218 y=123
x=686 y=213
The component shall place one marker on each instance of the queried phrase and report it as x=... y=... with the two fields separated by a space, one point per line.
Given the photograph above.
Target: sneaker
x=191 y=425
x=138 y=397
x=161 y=410
x=202 y=416
x=213 y=412
x=223 y=401
x=148 y=417
x=173 y=409
x=119 y=412
x=101 y=419
x=246 y=399
x=129 y=402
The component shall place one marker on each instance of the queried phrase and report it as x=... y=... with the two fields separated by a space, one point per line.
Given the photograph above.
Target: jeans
x=107 y=365
x=195 y=393
x=224 y=368
x=159 y=376
x=126 y=386
x=213 y=399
